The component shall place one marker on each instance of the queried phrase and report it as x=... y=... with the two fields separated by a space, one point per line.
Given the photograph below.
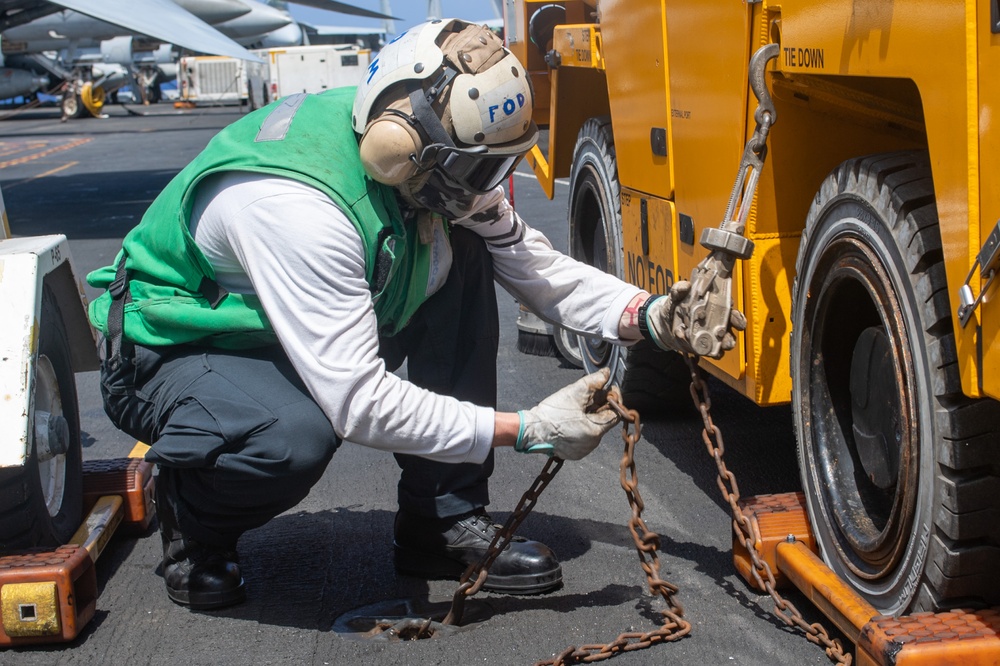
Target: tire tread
x=964 y=548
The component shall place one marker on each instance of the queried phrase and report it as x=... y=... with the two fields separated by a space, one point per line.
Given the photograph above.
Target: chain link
x=474 y=577
x=761 y=572
x=647 y=543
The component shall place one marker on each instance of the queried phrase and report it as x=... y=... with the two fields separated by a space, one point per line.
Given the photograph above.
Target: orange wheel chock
x=783 y=540
x=47 y=595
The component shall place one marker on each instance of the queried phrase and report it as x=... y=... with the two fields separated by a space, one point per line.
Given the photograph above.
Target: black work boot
x=197 y=575
x=445 y=547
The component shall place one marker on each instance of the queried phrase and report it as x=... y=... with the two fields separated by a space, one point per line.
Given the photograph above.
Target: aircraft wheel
x=893 y=457
x=72 y=105
x=41 y=502
x=595 y=222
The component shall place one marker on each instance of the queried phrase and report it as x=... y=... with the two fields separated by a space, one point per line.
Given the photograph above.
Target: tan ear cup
x=386 y=149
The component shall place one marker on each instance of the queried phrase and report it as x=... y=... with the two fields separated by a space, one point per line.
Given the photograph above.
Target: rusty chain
x=761 y=571
x=647 y=543
x=474 y=577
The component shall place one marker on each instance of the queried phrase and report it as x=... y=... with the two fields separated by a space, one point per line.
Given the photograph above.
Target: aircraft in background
x=102 y=45
x=373 y=37
x=300 y=33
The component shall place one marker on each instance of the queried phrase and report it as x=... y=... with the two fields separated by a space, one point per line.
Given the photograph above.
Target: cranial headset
x=481 y=90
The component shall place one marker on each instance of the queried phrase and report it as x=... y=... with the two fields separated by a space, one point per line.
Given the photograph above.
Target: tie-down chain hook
x=710 y=302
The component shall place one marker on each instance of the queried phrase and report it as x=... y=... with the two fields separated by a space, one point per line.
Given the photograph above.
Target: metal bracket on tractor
x=49 y=595
x=783 y=540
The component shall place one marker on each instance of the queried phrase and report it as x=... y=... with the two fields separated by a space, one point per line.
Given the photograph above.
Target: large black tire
x=896 y=463
x=657 y=382
x=652 y=381
x=595 y=222
x=41 y=502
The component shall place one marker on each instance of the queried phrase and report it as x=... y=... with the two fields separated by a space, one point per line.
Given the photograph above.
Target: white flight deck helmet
x=444 y=96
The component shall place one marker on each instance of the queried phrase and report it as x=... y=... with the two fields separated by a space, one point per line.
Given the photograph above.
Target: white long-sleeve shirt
x=292 y=245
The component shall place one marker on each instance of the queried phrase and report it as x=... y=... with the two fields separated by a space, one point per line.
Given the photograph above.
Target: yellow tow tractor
x=862 y=241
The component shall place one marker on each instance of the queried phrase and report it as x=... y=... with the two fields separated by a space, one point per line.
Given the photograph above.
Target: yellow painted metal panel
x=650 y=243
x=709 y=54
x=649 y=270
x=768 y=307
x=577 y=95
x=708 y=51
x=894 y=40
x=988 y=315
x=633 y=41
x=578 y=46
x=543 y=170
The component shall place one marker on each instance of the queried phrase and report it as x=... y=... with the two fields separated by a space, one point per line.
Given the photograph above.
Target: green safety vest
x=305 y=137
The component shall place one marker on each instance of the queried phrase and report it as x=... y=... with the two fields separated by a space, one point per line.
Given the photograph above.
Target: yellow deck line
x=45 y=153
x=42 y=175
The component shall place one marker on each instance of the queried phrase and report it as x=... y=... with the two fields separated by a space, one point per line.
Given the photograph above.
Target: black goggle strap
x=428 y=121
x=436 y=149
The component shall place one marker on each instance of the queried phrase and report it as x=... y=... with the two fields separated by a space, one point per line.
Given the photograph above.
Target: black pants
x=238 y=439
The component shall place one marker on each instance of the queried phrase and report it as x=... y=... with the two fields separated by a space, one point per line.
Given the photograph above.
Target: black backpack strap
x=122 y=349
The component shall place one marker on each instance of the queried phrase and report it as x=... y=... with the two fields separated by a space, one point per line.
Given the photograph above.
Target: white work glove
x=569 y=423
x=668 y=318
